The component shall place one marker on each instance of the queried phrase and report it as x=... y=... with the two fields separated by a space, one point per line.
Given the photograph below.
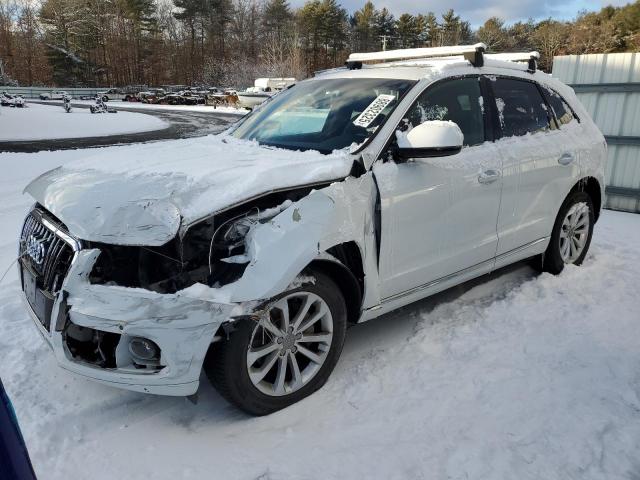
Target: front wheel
x=285 y=353
x=571 y=235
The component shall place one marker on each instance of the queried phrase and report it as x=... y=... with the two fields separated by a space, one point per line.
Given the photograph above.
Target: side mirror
x=434 y=138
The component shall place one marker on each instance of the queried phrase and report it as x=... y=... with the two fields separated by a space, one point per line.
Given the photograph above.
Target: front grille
x=46 y=254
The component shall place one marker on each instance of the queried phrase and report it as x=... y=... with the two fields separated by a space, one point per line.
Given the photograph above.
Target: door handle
x=488 y=176
x=566 y=158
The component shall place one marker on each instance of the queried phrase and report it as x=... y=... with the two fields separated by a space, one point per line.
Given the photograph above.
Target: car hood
x=142 y=194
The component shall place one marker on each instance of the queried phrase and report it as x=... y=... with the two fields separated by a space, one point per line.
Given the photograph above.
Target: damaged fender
x=281 y=248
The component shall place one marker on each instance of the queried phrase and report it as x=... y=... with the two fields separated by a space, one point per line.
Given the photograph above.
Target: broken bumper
x=182 y=327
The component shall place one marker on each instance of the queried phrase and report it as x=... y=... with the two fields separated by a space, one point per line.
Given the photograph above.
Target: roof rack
x=475 y=54
x=530 y=57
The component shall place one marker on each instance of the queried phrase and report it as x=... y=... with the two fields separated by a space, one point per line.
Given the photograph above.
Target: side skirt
x=418 y=293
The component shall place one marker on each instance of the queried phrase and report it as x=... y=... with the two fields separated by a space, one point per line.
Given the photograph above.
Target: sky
x=477 y=12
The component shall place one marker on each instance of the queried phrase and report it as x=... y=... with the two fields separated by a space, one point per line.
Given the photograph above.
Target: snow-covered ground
x=44 y=122
x=514 y=376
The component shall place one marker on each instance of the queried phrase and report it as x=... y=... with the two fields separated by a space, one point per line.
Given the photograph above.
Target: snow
x=44 y=122
x=212 y=172
x=510 y=376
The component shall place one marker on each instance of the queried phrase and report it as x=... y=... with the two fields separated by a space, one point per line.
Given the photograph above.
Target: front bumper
x=182 y=326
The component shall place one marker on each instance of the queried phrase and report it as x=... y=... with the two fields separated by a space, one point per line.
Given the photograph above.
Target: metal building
x=608 y=85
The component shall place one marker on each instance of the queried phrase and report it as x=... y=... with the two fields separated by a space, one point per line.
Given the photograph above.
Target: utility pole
x=384 y=39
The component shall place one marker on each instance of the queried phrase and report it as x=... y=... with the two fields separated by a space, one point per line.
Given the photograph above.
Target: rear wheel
x=286 y=353
x=572 y=232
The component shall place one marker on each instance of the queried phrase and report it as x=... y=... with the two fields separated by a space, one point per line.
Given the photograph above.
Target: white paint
x=431 y=134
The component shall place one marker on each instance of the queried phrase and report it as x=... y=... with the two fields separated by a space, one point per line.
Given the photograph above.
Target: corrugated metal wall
x=608 y=85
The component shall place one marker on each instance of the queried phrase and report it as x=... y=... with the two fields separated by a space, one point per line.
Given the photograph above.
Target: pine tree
x=432 y=31
x=363 y=24
x=384 y=27
x=451 y=28
x=408 y=31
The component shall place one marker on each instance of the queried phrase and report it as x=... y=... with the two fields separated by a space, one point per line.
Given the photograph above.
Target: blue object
x=14 y=457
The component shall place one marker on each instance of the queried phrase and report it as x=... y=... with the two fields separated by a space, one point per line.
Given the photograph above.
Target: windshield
x=324 y=115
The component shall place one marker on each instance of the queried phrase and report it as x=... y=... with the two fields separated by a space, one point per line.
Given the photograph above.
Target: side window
x=561 y=110
x=458 y=100
x=521 y=108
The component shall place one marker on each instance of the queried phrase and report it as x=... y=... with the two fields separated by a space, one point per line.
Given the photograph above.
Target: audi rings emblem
x=35 y=249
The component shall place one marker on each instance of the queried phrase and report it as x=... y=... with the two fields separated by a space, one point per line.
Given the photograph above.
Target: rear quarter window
x=562 y=111
x=520 y=106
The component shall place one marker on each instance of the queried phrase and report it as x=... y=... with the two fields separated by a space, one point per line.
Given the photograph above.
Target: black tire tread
x=221 y=369
x=552 y=262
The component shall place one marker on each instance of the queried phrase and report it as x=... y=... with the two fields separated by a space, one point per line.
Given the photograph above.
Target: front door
x=438 y=215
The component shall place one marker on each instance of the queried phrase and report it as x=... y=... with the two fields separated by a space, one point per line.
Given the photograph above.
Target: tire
x=105 y=99
x=554 y=259
x=228 y=363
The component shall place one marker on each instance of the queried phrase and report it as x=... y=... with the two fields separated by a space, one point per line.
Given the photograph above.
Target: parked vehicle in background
x=254 y=96
x=346 y=196
x=263 y=89
x=54 y=95
x=111 y=94
x=131 y=93
x=184 y=97
x=152 y=96
x=274 y=84
x=9 y=100
x=226 y=98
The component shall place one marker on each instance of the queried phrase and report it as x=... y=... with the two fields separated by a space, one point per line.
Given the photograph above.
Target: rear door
x=538 y=164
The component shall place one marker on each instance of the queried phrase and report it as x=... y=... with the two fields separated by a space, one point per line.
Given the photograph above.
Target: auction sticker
x=373 y=110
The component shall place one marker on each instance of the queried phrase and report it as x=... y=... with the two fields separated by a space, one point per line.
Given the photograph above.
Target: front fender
x=281 y=248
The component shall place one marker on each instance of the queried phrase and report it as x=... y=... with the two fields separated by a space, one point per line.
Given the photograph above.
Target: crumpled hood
x=141 y=194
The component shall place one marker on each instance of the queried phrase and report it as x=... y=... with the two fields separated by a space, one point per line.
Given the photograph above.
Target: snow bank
x=44 y=122
x=512 y=376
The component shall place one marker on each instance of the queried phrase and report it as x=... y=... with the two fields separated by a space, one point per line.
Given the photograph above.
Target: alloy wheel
x=290 y=343
x=574 y=232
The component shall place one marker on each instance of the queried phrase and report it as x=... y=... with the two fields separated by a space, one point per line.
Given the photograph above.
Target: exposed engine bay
x=211 y=251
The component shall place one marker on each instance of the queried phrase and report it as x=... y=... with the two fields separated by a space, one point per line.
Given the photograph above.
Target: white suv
x=342 y=198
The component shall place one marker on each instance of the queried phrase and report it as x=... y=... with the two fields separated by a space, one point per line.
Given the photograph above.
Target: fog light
x=143 y=348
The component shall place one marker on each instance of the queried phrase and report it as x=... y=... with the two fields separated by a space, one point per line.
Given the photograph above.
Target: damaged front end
x=129 y=337
x=211 y=251
x=125 y=315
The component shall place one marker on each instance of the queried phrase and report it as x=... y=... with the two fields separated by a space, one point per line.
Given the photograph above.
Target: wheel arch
x=591 y=186
x=347 y=271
